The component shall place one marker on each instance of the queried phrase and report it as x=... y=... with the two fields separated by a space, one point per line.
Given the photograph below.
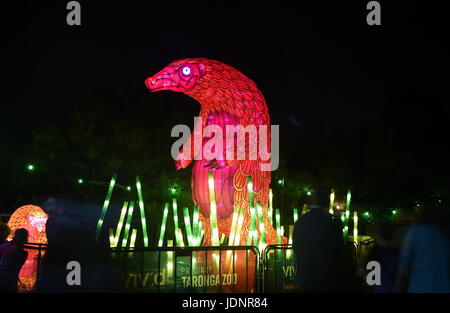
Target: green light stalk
x=291 y=232
x=187 y=224
x=170 y=261
x=142 y=210
x=305 y=208
x=163 y=225
x=123 y=213
x=202 y=233
x=213 y=211
x=105 y=206
x=295 y=211
x=132 y=241
x=237 y=238
x=233 y=233
x=262 y=230
x=234 y=225
x=180 y=236
x=278 y=225
x=128 y=224
x=347 y=213
x=270 y=206
x=251 y=237
x=195 y=226
x=175 y=221
x=111 y=238
x=332 y=195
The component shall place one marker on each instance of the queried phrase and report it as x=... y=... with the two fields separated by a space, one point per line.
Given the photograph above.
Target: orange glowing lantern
x=33 y=219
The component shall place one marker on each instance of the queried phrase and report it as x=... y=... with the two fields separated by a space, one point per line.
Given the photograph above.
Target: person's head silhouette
x=319 y=198
x=21 y=236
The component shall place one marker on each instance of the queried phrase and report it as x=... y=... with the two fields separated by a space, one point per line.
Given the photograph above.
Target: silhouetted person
x=386 y=254
x=71 y=237
x=319 y=247
x=12 y=258
x=425 y=253
x=4 y=232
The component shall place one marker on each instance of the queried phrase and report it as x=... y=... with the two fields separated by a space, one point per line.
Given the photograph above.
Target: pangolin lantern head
x=179 y=76
x=38 y=220
x=33 y=219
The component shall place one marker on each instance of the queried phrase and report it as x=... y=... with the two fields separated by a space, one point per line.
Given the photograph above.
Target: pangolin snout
x=150 y=82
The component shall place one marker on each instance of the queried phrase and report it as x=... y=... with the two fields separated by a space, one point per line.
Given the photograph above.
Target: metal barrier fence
x=363 y=248
x=205 y=269
x=279 y=269
x=190 y=269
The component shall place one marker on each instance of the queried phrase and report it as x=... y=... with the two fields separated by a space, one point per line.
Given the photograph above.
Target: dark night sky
x=319 y=66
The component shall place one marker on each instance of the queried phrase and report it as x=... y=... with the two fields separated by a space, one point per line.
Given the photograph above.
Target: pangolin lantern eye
x=186 y=70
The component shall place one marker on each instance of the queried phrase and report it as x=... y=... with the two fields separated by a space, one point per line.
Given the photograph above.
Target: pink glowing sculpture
x=33 y=219
x=226 y=97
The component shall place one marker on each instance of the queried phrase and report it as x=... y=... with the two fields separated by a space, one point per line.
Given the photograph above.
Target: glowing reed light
x=237 y=238
x=332 y=195
x=295 y=212
x=345 y=231
x=251 y=238
x=128 y=224
x=175 y=221
x=216 y=259
x=163 y=225
x=201 y=236
x=123 y=212
x=180 y=236
x=234 y=225
x=132 y=241
x=347 y=218
x=195 y=226
x=347 y=213
x=291 y=232
x=213 y=210
x=305 y=208
x=355 y=226
x=187 y=224
x=142 y=210
x=262 y=239
x=278 y=225
x=133 y=238
x=105 y=205
x=112 y=239
x=170 y=261
x=270 y=206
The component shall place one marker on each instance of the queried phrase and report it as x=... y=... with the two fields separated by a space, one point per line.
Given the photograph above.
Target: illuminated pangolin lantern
x=226 y=97
x=33 y=219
